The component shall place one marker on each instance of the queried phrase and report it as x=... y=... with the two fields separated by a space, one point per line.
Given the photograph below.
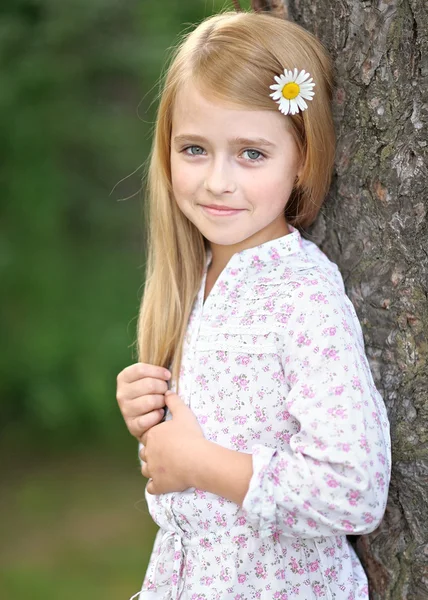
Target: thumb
x=173 y=401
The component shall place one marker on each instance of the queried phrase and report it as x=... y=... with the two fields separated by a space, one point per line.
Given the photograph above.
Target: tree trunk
x=374 y=226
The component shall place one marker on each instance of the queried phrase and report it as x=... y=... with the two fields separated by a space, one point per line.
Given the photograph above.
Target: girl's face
x=217 y=157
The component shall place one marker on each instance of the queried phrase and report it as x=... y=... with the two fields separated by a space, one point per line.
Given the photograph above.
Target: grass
x=74 y=527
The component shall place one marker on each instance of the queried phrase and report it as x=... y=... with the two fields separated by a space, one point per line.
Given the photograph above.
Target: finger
x=142 y=405
x=145 y=470
x=143 y=439
x=140 y=425
x=147 y=386
x=142 y=454
x=143 y=387
x=151 y=488
x=140 y=370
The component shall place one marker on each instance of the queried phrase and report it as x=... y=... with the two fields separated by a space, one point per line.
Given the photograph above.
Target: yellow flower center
x=290 y=90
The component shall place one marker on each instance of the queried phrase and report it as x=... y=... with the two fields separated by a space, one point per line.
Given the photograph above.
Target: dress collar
x=270 y=251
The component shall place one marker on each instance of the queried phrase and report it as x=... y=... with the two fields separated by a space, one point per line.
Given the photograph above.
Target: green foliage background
x=77 y=103
x=78 y=87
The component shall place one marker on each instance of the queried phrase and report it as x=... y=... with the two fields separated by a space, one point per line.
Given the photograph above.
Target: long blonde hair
x=233 y=57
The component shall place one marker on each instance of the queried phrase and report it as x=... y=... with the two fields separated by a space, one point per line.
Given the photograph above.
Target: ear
x=300 y=164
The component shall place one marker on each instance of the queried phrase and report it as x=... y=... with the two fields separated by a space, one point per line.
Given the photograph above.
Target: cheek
x=284 y=180
x=182 y=180
x=183 y=190
x=271 y=187
x=175 y=175
x=272 y=192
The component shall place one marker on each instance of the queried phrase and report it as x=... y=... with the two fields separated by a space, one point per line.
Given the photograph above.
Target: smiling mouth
x=222 y=212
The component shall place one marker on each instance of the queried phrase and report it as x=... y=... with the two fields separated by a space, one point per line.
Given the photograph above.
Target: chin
x=225 y=239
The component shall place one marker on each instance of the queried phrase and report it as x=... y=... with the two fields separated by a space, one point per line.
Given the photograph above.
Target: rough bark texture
x=374 y=226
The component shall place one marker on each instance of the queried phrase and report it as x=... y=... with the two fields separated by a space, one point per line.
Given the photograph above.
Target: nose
x=219 y=177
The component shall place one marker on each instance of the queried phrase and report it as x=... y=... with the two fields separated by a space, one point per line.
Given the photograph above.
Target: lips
x=222 y=211
x=220 y=207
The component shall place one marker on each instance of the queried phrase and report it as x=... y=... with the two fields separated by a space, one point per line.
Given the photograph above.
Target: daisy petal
x=301 y=103
x=285 y=106
x=302 y=77
x=293 y=106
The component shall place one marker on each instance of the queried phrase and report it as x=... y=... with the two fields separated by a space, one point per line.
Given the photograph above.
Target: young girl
x=276 y=442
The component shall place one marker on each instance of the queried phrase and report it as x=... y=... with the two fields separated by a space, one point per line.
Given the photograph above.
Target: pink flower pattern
x=274 y=365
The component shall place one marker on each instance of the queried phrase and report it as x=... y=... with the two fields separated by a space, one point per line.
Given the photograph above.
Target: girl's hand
x=140 y=395
x=171 y=448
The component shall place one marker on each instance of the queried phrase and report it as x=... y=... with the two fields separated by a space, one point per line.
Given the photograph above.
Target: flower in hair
x=291 y=91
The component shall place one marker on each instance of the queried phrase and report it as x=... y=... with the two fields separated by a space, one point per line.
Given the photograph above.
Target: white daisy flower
x=291 y=91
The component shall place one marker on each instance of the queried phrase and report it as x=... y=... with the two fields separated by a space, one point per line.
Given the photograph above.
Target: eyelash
x=256 y=160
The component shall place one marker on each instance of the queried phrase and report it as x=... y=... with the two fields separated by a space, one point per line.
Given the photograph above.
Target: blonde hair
x=234 y=57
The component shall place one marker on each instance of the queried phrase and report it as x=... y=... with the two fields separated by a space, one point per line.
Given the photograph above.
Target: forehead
x=195 y=111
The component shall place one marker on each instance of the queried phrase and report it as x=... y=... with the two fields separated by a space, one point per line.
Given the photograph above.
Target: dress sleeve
x=332 y=478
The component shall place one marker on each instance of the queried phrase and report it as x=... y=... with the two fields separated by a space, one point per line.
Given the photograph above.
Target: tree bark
x=374 y=226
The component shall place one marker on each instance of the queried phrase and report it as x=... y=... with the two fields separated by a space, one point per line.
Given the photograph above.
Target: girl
x=276 y=442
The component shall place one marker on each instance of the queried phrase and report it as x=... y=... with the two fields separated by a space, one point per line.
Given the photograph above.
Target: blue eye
x=255 y=158
x=192 y=154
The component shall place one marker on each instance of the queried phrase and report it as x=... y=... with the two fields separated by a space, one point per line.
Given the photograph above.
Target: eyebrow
x=238 y=141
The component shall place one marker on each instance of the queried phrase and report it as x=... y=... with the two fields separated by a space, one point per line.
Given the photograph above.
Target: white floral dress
x=274 y=365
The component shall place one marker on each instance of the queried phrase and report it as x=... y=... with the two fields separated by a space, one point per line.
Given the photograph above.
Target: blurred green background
x=78 y=87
